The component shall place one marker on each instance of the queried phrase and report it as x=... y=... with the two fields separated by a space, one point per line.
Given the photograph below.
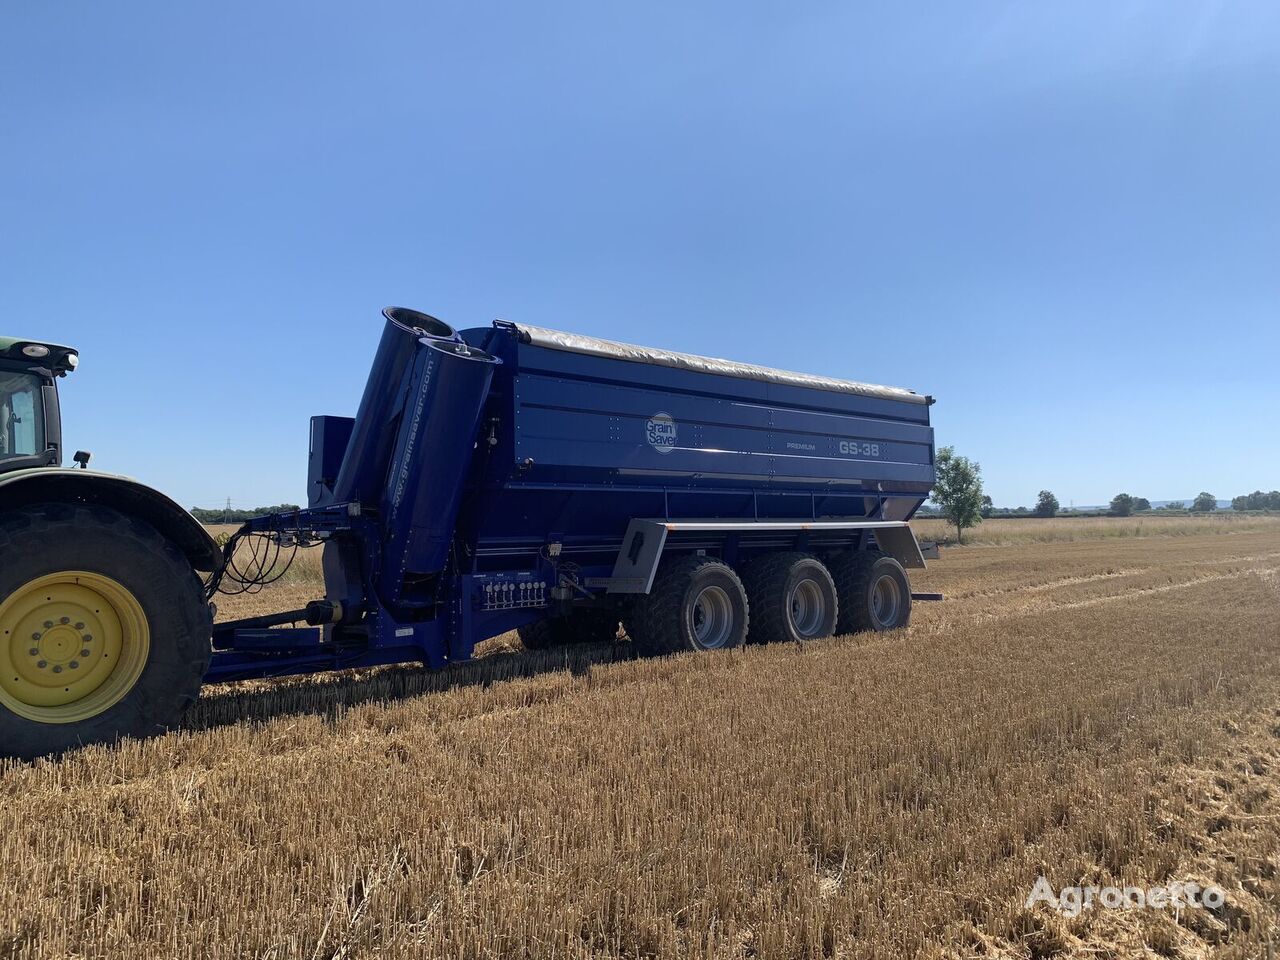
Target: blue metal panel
x=576 y=430
x=656 y=424
x=330 y=437
x=708 y=437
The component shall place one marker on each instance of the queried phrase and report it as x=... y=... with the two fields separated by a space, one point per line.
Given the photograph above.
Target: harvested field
x=1096 y=710
x=1003 y=530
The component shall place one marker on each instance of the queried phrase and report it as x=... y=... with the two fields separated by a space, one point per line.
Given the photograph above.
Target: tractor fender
x=128 y=496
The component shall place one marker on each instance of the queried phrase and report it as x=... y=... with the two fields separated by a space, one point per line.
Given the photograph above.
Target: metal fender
x=128 y=496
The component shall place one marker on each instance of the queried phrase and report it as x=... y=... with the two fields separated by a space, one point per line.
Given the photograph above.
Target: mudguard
x=68 y=485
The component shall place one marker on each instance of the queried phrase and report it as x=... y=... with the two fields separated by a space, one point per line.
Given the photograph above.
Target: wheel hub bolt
x=34 y=651
x=88 y=638
x=42 y=664
x=74 y=664
x=84 y=653
x=79 y=626
x=57 y=668
x=65 y=620
x=35 y=636
x=48 y=624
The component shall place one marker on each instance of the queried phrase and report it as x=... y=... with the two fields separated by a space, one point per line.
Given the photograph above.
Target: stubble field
x=1092 y=710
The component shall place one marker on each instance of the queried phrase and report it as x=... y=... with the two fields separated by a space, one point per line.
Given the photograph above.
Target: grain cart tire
x=697 y=603
x=793 y=597
x=581 y=626
x=874 y=592
x=104 y=630
x=595 y=626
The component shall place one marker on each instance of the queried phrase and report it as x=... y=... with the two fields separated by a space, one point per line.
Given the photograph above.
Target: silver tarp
x=577 y=343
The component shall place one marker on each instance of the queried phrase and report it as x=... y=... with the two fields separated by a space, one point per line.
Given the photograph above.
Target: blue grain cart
x=517 y=478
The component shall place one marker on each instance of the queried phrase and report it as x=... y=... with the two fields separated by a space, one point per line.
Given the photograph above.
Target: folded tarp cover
x=593 y=346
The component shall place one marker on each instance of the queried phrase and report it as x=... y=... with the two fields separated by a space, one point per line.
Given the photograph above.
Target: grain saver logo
x=660 y=431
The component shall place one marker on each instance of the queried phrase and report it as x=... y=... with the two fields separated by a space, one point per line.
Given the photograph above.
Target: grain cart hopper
x=516 y=478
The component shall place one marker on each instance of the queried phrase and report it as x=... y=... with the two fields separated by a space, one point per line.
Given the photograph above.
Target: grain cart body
x=514 y=477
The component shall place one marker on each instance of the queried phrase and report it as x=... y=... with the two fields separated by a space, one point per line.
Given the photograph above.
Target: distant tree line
x=1257 y=501
x=239 y=516
x=1122 y=505
x=958 y=497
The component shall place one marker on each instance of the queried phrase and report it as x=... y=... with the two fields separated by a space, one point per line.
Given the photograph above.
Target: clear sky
x=1061 y=219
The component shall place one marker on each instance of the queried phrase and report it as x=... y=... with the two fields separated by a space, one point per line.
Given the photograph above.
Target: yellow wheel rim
x=72 y=645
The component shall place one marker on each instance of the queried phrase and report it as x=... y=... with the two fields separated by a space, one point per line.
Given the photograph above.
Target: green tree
x=1047 y=505
x=1174 y=505
x=1122 y=505
x=1204 y=503
x=1257 y=501
x=958 y=490
x=988 y=507
x=220 y=515
x=1140 y=504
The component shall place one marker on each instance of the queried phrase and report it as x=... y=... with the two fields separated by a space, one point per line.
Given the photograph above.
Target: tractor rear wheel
x=874 y=592
x=104 y=630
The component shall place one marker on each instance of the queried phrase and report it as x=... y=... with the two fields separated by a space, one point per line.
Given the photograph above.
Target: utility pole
x=226 y=513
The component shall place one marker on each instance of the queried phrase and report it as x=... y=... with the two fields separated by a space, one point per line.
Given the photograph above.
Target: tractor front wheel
x=104 y=631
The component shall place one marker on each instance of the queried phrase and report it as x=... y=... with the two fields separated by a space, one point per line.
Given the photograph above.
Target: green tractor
x=104 y=624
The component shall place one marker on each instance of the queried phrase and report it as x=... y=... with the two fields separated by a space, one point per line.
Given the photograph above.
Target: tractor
x=104 y=623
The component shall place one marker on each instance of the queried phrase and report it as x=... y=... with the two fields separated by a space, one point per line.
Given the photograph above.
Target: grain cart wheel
x=874 y=592
x=104 y=631
x=581 y=626
x=792 y=598
x=594 y=626
x=697 y=603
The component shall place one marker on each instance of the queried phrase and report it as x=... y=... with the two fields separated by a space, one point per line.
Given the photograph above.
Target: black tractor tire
x=793 y=598
x=875 y=594
x=581 y=626
x=697 y=603
x=47 y=540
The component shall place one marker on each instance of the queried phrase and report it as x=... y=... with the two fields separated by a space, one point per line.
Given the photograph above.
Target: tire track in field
x=1149 y=591
x=1074 y=580
x=1016 y=590
x=1270 y=575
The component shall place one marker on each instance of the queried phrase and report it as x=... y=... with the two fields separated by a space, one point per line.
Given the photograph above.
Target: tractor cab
x=30 y=425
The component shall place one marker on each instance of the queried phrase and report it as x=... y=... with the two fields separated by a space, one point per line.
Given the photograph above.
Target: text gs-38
x=856 y=448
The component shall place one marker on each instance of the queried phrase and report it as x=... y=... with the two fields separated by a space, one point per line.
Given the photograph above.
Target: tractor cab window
x=21 y=415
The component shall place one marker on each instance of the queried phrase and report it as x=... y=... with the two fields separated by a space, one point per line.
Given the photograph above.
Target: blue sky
x=1061 y=219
